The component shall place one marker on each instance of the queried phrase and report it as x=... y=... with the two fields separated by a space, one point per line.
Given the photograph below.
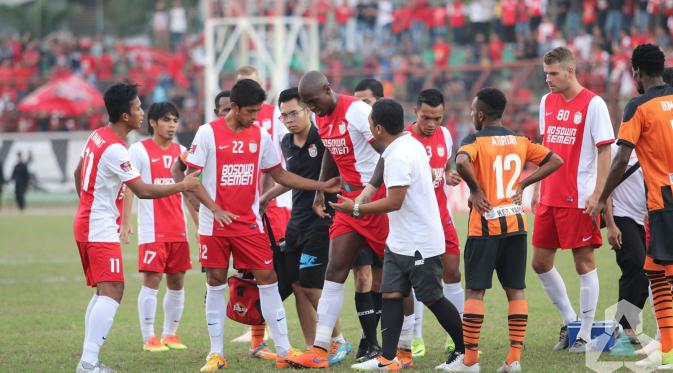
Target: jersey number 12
x=498 y=166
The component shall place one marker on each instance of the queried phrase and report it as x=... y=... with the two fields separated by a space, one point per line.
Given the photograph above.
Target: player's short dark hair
x=648 y=59
x=159 y=110
x=289 y=95
x=388 y=113
x=118 y=99
x=431 y=97
x=370 y=84
x=226 y=93
x=492 y=102
x=247 y=92
x=668 y=76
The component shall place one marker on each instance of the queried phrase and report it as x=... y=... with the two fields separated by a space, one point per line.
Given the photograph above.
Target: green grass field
x=43 y=299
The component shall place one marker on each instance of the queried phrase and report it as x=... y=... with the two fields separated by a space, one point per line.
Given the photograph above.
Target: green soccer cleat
x=449 y=346
x=417 y=347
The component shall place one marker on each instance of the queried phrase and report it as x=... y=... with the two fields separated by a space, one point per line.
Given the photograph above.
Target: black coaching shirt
x=306 y=162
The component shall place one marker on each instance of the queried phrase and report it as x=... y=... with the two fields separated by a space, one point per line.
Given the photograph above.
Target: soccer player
x=232 y=152
x=490 y=161
x=342 y=123
x=367 y=266
x=646 y=127
x=438 y=143
x=575 y=124
x=307 y=235
x=411 y=259
x=100 y=176
x=162 y=230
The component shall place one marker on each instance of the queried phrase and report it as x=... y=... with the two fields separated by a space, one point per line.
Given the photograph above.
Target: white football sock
x=147 y=310
x=329 y=308
x=419 y=309
x=407 y=333
x=456 y=295
x=588 y=302
x=274 y=315
x=215 y=313
x=339 y=338
x=100 y=321
x=174 y=304
x=88 y=313
x=553 y=285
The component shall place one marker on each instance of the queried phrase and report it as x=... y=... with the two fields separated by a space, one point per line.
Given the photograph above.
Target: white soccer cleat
x=649 y=348
x=652 y=361
x=455 y=363
x=379 y=364
x=515 y=366
x=84 y=367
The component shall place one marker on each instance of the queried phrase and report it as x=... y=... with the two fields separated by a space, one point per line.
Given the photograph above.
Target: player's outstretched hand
x=535 y=200
x=224 y=217
x=332 y=185
x=479 y=201
x=319 y=205
x=615 y=237
x=125 y=231
x=346 y=205
x=453 y=178
x=191 y=181
x=517 y=198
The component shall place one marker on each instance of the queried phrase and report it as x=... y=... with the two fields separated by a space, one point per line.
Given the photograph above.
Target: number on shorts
x=149 y=256
x=498 y=167
x=114 y=265
x=204 y=251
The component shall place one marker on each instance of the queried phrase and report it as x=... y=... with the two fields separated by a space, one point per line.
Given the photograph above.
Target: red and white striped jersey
x=231 y=164
x=105 y=166
x=574 y=130
x=439 y=148
x=345 y=133
x=162 y=219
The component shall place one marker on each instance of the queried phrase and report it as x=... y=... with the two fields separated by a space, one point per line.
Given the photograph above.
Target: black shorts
x=402 y=272
x=660 y=248
x=367 y=257
x=505 y=255
x=306 y=255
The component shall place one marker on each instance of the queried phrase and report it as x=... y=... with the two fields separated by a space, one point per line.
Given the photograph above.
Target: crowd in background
x=408 y=45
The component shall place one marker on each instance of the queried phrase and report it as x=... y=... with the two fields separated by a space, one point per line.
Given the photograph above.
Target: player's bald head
x=312 y=82
x=315 y=92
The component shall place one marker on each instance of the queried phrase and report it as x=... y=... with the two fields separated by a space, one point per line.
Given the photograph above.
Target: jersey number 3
x=500 y=165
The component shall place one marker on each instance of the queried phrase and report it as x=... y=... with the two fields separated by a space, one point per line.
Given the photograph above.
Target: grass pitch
x=43 y=298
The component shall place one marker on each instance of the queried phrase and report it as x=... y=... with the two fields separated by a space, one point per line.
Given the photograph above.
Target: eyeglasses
x=290 y=116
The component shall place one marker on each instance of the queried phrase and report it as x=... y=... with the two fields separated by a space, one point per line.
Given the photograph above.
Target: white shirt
x=178 y=20
x=629 y=198
x=416 y=226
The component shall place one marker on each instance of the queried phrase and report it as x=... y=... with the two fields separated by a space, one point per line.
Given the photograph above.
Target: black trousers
x=20 y=194
x=631 y=257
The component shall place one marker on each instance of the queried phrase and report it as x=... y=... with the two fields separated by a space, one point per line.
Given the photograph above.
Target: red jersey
x=508 y=8
x=573 y=130
x=162 y=219
x=457 y=14
x=105 y=166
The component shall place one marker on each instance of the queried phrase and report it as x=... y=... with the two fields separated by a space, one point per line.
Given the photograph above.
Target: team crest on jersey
x=312 y=151
x=440 y=150
x=252 y=146
x=126 y=166
x=577 y=119
x=266 y=123
x=342 y=127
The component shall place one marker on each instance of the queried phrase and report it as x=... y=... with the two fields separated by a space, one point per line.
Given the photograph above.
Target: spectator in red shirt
x=438 y=15
x=508 y=19
x=456 y=13
x=442 y=52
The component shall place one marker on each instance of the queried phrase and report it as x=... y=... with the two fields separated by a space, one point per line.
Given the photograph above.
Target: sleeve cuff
x=192 y=165
x=606 y=142
x=546 y=158
x=271 y=168
x=133 y=180
x=371 y=141
x=626 y=143
x=466 y=153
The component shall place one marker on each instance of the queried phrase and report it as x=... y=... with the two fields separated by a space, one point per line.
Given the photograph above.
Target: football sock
x=662 y=301
x=391 y=325
x=448 y=317
x=257 y=335
x=377 y=299
x=456 y=295
x=556 y=290
x=517 y=320
x=88 y=313
x=215 y=314
x=588 y=302
x=407 y=333
x=147 y=309
x=657 y=336
x=419 y=308
x=472 y=320
x=274 y=314
x=100 y=321
x=339 y=339
x=329 y=307
x=174 y=304
x=364 y=305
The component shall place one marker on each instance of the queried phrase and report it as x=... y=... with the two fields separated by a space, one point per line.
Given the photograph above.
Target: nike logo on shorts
x=585 y=239
x=268 y=261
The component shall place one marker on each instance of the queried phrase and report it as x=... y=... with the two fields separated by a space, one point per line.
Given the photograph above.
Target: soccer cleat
x=281 y=361
x=455 y=363
x=666 y=360
x=649 y=348
x=563 y=341
x=514 y=366
x=154 y=345
x=363 y=347
x=338 y=352
x=418 y=347
x=262 y=352
x=173 y=342
x=214 y=362
x=315 y=357
x=247 y=337
x=405 y=358
x=449 y=346
x=371 y=353
x=580 y=346
x=378 y=363
x=652 y=361
x=84 y=367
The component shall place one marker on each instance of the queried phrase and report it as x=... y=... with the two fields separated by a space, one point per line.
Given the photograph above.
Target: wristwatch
x=356 y=210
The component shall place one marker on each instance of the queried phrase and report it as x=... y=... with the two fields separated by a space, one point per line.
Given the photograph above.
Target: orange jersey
x=498 y=156
x=648 y=127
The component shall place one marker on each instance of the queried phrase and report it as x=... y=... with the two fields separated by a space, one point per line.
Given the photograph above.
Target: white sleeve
x=397 y=171
x=269 y=157
x=542 y=114
x=599 y=123
x=357 y=116
x=116 y=158
x=136 y=157
x=449 y=141
x=279 y=129
x=198 y=152
x=182 y=148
